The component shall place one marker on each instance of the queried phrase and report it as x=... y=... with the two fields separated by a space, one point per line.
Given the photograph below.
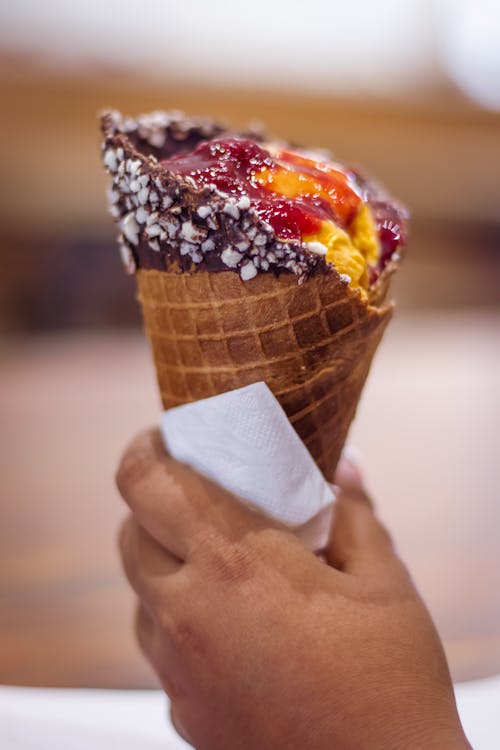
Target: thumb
x=359 y=543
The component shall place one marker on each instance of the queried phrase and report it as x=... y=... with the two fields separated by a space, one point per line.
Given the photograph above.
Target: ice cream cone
x=229 y=298
x=311 y=344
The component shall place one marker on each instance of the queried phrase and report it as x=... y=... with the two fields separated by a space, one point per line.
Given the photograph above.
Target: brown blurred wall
x=60 y=267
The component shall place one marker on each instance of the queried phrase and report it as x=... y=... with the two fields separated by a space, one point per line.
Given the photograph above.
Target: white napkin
x=243 y=440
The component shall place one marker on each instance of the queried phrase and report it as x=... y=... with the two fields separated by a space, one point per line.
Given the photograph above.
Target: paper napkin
x=243 y=440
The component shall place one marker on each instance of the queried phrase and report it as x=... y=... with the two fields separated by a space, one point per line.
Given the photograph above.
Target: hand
x=257 y=642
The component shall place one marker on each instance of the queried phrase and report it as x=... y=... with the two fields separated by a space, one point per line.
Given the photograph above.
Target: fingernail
x=352 y=454
x=348 y=478
x=347 y=473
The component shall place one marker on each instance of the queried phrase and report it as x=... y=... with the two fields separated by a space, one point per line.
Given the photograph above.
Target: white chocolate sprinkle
x=186 y=248
x=113 y=195
x=231 y=209
x=141 y=215
x=317 y=247
x=143 y=195
x=208 y=245
x=230 y=257
x=248 y=271
x=171 y=224
x=204 y=211
x=133 y=166
x=192 y=233
x=130 y=228
x=243 y=203
x=110 y=160
x=154 y=230
x=126 y=256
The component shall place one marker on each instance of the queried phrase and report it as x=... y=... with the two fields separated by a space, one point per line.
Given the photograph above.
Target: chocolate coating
x=168 y=222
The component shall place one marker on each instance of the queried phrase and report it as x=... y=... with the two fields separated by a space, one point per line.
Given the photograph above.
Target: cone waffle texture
x=312 y=344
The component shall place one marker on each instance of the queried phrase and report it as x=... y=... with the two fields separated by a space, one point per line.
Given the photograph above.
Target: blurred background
x=411 y=91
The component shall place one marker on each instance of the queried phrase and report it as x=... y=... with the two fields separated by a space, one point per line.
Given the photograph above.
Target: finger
x=148 y=566
x=348 y=478
x=176 y=505
x=359 y=543
x=155 y=647
x=142 y=483
x=145 y=630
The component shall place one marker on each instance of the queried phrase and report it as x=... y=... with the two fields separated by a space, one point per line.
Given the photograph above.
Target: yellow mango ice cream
x=342 y=225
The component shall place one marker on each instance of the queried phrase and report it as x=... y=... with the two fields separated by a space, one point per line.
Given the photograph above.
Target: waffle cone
x=312 y=344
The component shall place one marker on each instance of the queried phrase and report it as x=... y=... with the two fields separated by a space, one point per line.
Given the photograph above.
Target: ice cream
x=301 y=197
x=254 y=261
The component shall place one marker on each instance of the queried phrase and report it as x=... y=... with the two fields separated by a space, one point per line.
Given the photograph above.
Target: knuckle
x=124 y=537
x=129 y=568
x=230 y=562
x=134 y=463
x=185 y=636
x=144 y=628
x=129 y=553
x=181 y=626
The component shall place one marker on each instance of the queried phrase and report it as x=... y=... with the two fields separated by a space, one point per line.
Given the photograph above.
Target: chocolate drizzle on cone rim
x=312 y=344
x=167 y=222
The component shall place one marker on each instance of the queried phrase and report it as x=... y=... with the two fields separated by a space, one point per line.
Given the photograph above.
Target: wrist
x=453 y=739
x=434 y=734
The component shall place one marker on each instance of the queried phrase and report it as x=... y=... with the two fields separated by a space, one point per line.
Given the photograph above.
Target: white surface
x=53 y=719
x=243 y=440
x=48 y=719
